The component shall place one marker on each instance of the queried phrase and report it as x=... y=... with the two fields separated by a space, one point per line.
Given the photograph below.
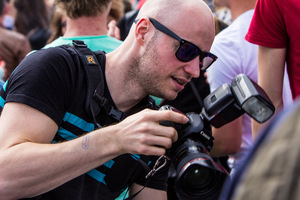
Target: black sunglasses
x=186 y=51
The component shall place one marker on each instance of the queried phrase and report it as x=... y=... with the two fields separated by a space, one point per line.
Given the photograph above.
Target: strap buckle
x=79 y=44
x=158 y=165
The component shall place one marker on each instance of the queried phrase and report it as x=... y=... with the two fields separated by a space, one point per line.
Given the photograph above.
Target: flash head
x=228 y=102
x=252 y=98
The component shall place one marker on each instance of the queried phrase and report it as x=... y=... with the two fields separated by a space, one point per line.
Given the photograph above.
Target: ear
x=142 y=30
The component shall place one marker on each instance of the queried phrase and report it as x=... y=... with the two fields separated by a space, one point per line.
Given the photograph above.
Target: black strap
x=93 y=75
x=95 y=91
x=95 y=84
x=196 y=93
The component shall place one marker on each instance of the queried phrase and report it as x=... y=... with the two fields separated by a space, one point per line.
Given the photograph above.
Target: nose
x=193 y=67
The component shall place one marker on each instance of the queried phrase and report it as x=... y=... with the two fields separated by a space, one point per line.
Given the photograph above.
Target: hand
x=141 y=133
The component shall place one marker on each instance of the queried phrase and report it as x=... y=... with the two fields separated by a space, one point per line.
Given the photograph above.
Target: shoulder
x=53 y=54
x=55 y=60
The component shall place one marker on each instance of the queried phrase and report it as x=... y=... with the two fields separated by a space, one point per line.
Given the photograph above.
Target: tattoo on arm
x=85 y=142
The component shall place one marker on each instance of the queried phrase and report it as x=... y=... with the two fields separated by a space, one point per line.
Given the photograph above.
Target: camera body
x=198 y=176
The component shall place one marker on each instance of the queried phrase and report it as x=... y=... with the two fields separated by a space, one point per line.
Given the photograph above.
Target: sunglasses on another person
x=186 y=51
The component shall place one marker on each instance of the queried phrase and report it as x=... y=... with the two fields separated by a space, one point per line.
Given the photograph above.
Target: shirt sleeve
x=267 y=27
x=43 y=81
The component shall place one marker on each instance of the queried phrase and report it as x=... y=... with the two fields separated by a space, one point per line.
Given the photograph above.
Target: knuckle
x=143 y=150
x=144 y=127
x=169 y=144
x=143 y=139
x=172 y=133
x=168 y=114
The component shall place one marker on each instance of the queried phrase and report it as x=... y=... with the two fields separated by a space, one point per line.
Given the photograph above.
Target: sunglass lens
x=206 y=62
x=187 y=51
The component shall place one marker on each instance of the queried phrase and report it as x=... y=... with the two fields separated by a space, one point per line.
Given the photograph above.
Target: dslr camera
x=198 y=176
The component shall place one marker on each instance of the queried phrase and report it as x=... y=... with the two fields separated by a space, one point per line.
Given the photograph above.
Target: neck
x=86 y=26
x=117 y=64
x=239 y=7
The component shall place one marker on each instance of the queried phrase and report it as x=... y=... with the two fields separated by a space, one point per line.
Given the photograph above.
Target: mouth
x=180 y=83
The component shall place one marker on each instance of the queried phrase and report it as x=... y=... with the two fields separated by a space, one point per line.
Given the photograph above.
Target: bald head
x=194 y=16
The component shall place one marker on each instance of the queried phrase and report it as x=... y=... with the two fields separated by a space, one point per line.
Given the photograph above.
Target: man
x=86 y=21
x=275 y=29
x=50 y=102
x=13 y=46
x=235 y=56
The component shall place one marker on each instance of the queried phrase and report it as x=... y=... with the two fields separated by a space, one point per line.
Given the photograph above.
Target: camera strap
x=157 y=166
x=196 y=93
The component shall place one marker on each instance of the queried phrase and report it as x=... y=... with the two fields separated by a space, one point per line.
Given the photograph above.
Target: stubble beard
x=148 y=78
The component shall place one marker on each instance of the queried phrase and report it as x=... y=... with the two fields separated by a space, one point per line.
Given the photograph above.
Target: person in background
x=13 y=46
x=49 y=7
x=235 y=56
x=117 y=10
x=127 y=6
x=222 y=11
x=32 y=20
x=116 y=13
x=8 y=18
x=98 y=164
x=89 y=24
x=58 y=24
x=275 y=29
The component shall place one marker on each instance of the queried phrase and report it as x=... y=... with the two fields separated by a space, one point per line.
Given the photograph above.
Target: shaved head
x=191 y=14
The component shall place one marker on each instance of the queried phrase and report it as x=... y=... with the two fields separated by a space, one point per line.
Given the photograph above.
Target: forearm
x=271 y=64
x=29 y=169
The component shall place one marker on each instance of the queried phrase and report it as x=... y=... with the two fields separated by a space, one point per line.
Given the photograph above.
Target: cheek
x=167 y=62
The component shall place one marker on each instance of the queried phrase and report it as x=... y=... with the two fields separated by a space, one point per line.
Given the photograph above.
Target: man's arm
x=228 y=138
x=271 y=63
x=31 y=166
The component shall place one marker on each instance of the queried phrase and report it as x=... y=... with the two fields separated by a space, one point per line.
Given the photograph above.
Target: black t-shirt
x=50 y=81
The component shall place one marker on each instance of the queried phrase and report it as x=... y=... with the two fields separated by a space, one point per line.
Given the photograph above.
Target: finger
x=165 y=131
x=166 y=115
x=164 y=142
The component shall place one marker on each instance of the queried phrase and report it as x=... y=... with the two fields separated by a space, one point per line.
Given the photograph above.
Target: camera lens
x=198 y=176
x=196 y=179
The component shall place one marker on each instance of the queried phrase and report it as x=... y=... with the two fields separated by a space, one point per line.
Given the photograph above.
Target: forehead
x=194 y=27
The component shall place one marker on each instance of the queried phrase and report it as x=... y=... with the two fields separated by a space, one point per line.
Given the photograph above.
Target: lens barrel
x=198 y=175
